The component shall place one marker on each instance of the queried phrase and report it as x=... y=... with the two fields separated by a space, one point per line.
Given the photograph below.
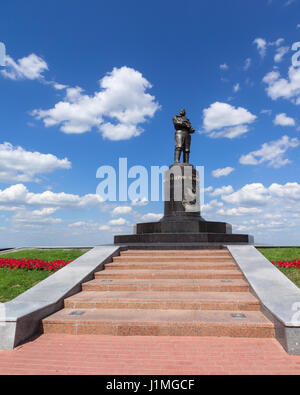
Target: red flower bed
x=31 y=264
x=288 y=265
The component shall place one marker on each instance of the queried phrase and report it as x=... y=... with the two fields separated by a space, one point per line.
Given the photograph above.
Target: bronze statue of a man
x=183 y=133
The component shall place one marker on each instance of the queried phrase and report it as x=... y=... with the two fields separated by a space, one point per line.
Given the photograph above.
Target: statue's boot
x=186 y=157
x=177 y=156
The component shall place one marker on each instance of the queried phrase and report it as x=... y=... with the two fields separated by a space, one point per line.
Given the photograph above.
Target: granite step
x=244 y=301
x=165 y=293
x=170 y=266
x=180 y=285
x=178 y=258
x=176 y=252
x=169 y=274
x=132 y=322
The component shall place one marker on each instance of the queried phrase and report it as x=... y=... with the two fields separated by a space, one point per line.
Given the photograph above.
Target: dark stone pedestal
x=184 y=238
x=181 y=226
x=182 y=222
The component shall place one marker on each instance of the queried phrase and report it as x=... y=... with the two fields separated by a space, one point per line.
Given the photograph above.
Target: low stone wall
x=21 y=318
x=280 y=297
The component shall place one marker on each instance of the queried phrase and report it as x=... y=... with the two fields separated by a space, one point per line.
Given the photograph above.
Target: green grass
x=15 y=282
x=281 y=254
x=46 y=255
x=284 y=254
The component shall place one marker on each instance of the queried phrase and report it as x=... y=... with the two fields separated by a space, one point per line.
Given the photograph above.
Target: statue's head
x=182 y=112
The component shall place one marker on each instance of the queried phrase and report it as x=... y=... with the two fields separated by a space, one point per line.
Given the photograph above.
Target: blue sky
x=88 y=82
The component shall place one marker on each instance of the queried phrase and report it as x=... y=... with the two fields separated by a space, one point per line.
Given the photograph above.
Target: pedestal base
x=178 y=238
x=191 y=225
x=182 y=222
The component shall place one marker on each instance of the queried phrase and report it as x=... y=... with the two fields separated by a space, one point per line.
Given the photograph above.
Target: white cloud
x=45 y=211
x=205 y=208
x=290 y=190
x=258 y=209
x=58 y=86
x=35 y=218
x=240 y=228
x=143 y=202
x=225 y=190
x=19 y=165
x=120 y=131
x=278 y=87
x=116 y=110
x=122 y=210
x=104 y=228
x=280 y=52
x=230 y=122
x=85 y=226
x=261 y=46
x=231 y=133
x=283 y=120
x=284 y=196
x=30 y=67
x=268 y=112
x=14 y=195
x=78 y=224
x=224 y=66
x=239 y=211
x=222 y=172
x=63 y=200
x=271 y=77
x=19 y=196
x=118 y=222
x=236 y=87
x=277 y=42
x=151 y=217
x=250 y=194
x=272 y=152
x=247 y=64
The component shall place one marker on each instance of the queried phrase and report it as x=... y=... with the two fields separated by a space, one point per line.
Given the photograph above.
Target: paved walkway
x=112 y=355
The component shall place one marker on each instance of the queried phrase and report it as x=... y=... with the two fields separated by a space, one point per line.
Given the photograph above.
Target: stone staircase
x=165 y=293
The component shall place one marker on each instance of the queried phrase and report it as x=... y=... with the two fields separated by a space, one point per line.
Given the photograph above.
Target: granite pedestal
x=182 y=221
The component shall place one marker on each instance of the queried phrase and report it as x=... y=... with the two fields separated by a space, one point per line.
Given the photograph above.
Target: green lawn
x=15 y=282
x=284 y=254
x=46 y=255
